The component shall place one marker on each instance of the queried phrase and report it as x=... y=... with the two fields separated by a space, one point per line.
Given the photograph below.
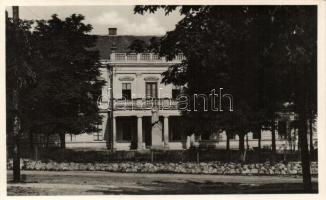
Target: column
x=288 y=135
x=139 y=133
x=166 y=132
x=114 y=133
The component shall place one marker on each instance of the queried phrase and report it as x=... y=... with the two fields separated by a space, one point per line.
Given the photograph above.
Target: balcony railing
x=141 y=104
x=142 y=57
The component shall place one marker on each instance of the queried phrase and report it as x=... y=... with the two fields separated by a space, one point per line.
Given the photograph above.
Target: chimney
x=112 y=31
x=15 y=13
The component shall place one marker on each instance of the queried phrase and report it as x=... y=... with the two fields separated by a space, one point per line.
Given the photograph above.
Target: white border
x=321 y=126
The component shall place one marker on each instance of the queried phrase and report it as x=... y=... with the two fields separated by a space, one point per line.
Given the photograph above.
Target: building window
x=174 y=134
x=126 y=90
x=97 y=136
x=126 y=132
x=176 y=90
x=151 y=90
x=176 y=129
x=126 y=127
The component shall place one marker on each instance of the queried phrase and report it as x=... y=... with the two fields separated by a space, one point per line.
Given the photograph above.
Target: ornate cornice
x=151 y=78
x=126 y=78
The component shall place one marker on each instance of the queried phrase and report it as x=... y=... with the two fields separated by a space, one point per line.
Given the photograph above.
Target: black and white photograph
x=162 y=99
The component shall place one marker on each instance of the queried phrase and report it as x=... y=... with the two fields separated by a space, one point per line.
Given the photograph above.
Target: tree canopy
x=265 y=56
x=62 y=99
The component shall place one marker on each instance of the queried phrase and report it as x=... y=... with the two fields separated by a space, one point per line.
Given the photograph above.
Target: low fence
x=190 y=155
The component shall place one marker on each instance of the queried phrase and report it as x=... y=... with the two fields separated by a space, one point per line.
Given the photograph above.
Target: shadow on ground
x=208 y=187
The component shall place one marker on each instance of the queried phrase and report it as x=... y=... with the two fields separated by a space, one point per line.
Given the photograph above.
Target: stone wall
x=291 y=168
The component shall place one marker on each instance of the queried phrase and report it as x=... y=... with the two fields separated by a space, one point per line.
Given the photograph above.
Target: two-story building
x=133 y=84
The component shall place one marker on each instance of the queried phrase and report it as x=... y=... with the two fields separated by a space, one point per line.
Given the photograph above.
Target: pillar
x=166 y=132
x=139 y=132
x=288 y=135
x=114 y=133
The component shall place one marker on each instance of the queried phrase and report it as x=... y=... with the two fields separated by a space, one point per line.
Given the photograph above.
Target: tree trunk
x=299 y=143
x=247 y=142
x=242 y=146
x=241 y=142
x=16 y=120
x=311 y=139
x=31 y=140
x=227 y=141
x=273 y=142
x=259 y=145
x=259 y=141
x=16 y=133
x=228 y=146
x=47 y=141
x=305 y=160
x=16 y=159
x=62 y=141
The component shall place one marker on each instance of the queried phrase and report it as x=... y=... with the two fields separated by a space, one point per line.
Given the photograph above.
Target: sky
x=103 y=17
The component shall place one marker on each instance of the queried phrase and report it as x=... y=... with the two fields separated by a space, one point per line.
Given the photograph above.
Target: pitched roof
x=121 y=42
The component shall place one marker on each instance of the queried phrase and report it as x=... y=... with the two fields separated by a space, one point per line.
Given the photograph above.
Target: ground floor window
x=98 y=136
x=126 y=129
x=176 y=130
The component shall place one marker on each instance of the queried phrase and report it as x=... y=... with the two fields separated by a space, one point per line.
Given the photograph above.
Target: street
x=97 y=183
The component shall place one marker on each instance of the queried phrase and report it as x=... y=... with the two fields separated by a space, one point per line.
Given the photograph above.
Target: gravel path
x=79 y=182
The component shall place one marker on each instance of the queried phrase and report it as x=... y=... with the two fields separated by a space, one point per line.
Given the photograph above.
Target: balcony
x=142 y=58
x=145 y=104
x=140 y=104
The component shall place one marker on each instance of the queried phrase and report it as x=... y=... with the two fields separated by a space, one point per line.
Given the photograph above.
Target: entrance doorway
x=147 y=131
x=127 y=131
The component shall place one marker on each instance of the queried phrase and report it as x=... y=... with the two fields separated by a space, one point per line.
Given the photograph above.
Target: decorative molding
x=151 y=78
x=126 y=78
x=138 y=74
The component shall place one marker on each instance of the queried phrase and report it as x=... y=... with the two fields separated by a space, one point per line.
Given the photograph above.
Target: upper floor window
x=151 y=90
x=176 y=90
x=126 y=90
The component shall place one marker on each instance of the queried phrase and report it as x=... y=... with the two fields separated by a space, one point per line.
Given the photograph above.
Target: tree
x=64 y=98
x=311 y=141
x=19 y=77
x=261 y=54
x=217 y=57
x=301 y=73
x=154 y=45
x=138 y=46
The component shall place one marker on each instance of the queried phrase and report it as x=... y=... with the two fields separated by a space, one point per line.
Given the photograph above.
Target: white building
x=137 y=86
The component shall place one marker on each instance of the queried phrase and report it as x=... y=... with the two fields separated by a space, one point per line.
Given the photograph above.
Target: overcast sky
x=102 y=17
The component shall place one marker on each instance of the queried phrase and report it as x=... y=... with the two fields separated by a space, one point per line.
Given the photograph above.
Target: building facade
x=133 y=84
